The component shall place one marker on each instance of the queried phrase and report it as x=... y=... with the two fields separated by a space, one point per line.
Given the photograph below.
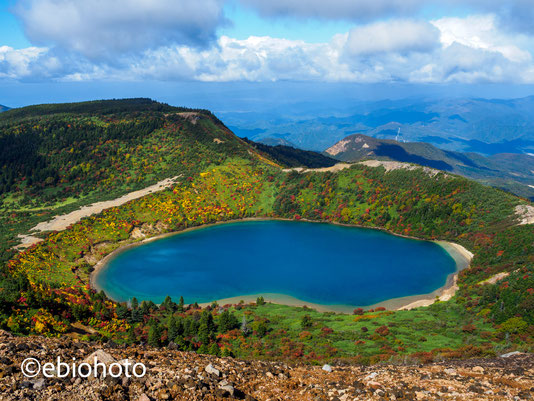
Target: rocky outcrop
x=525 y=214
x=174 y=375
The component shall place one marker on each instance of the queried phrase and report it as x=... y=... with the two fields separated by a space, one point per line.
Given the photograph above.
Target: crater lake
x=315 y=263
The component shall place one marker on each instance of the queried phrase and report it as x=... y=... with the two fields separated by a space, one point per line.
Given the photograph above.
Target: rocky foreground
x=174 y=375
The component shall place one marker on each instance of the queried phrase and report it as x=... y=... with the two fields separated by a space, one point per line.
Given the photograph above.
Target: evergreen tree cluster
x=188 y=328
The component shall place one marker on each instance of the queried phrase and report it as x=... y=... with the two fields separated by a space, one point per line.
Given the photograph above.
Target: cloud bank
x=515 y=15
x=77 y=40
x=100 y=29
x=401 y=36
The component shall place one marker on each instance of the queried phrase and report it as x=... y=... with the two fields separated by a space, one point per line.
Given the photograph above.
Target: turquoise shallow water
x=317 y=263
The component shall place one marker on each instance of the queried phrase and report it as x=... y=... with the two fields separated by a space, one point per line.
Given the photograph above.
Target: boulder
x=212 y=371
x=100 y=356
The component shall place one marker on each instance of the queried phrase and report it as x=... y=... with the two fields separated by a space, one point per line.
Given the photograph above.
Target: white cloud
x=20 y=63
x=401 y=51
x=480 y=32
x=513 y=15
x=464 y=64
x=464 y=50
x=399 y=36
x=101 y=29
x=252 y=59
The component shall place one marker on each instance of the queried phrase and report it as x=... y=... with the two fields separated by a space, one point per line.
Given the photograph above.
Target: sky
x=82 y=49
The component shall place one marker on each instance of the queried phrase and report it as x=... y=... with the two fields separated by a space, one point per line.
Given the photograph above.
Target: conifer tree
x=227 y=321
x=131 y=339
x=173 y=328
x=154 y=334
x=214 y=349
x=206 y=330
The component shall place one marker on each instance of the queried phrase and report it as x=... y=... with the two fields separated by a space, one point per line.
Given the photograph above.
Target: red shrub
x=382 y=330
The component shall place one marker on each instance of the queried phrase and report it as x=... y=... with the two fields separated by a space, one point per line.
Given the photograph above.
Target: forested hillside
x=70 y=150
x=45 y=289
x=511 y=172
x=292 y=157
x=55 y=158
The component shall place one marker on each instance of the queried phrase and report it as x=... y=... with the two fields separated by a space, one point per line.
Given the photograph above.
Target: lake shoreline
x=461 y=256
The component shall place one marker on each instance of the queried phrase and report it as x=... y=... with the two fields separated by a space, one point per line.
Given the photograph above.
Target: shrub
x=326 y=331
x=469 y=328
x=306 y=322
x=514 y=325
x=305 y=335
x=382 y=330
x=424 y=357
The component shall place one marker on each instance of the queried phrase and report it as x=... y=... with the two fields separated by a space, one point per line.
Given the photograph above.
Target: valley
x=233 y=180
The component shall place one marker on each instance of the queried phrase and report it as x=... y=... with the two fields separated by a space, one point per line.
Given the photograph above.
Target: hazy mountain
x=512 y=172
x=3 y=108
x=473 y=125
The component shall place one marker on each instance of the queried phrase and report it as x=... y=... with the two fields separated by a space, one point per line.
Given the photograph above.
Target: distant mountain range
x=3 y=108
x=472 y=125
x=512 y=172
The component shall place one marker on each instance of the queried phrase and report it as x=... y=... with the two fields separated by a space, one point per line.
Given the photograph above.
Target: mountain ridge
x=512 y=172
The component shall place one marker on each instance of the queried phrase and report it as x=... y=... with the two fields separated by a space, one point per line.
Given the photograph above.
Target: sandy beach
x=461 y=256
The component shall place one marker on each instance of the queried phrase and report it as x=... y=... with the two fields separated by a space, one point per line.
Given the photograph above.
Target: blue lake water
x=314 y=262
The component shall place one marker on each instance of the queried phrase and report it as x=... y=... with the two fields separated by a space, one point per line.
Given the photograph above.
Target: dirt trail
x=388 y=165
x=391 y=165
x=333 y=169
x=61 y=222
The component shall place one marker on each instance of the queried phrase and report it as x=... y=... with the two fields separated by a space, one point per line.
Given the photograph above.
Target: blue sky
x=243 y=22
x=110 y=45
x=11 y=33
x=246 y=22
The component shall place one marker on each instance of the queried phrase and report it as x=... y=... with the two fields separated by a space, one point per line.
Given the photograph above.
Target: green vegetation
x=56 y=158
x=45 y=289
x=511 y=172
x=292 y=157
